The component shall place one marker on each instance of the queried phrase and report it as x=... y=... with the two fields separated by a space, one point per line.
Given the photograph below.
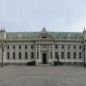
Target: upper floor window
x=19 y=46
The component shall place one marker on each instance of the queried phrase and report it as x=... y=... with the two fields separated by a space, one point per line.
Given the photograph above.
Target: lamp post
x=2 y=45
x=84 y=54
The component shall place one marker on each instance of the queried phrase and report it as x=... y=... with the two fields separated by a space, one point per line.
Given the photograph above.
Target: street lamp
x=2 y=45
x=84 y=54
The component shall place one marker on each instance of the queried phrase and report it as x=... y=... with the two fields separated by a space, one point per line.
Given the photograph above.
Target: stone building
x=44 y=47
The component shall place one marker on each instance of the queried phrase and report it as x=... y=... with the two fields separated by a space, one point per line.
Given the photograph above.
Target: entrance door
x=44 y=60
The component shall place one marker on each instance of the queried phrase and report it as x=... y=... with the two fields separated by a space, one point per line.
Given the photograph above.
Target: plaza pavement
x=42 y=76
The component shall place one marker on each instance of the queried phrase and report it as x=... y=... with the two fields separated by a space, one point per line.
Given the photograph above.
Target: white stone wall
x=39 y=49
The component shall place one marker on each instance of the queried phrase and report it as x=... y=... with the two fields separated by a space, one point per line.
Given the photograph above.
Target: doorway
x=44 y=59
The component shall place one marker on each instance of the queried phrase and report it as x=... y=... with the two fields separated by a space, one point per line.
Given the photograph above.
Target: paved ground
x=42 y=76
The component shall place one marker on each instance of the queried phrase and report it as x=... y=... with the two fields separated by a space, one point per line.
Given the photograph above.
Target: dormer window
x=43 y=37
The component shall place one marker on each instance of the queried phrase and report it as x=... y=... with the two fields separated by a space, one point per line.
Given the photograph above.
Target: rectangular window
x=13 y=55
x=26 y=55
x=25 y=46
x=62 y=46
x=62 y=55
x=51 y=55
x=7 y=46
x=13 y=46
x=56 y=55
x=74 y=46
x=56 y=46
x=80 y=55
x=32 y=55
x=8 y=55
x=68 y=55
x=80 y=47
x=32 y=46
x=19 y=55
x=19 y=46
x=74 y=55
x=68 y=46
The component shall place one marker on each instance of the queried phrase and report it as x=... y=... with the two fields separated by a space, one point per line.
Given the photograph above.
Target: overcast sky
x=33 y=15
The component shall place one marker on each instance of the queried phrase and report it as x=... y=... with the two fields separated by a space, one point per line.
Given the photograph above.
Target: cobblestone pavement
x=42 y=76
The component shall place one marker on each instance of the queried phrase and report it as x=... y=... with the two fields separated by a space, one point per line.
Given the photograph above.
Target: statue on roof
x=44 y=29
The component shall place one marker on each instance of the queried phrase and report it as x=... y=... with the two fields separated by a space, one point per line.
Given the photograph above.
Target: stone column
x=39 y=53
x=49 y=54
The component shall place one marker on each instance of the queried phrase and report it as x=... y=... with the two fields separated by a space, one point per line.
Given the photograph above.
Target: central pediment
x=44 y=34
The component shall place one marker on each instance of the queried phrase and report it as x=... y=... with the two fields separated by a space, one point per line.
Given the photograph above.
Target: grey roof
x=32 y=35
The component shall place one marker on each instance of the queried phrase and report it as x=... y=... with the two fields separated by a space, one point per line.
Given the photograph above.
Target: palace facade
x=43 y=47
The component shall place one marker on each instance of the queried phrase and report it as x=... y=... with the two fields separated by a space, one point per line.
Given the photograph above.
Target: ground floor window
x=19 y=55
x=68 y=55
x=80 y=55
x=74 y=55
x=8 y=55
x=62 y=55
x=32 y=55
x=13 y=55
x=38 y=55
x=26 y=55
x=56 y=55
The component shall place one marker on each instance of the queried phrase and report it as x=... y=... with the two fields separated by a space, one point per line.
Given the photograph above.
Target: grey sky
x=32 y=15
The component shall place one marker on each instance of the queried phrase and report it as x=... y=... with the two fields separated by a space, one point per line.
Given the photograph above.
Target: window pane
x=13 y=46
x=74 y=55
x=32 y=47
x=32 y=55
x=13 y=55
x=74 y=46
x=19 y=46
x=56 y=55
x=19 y=55
x=26 y=55
x=8 y=55
x=68 y=46
x=56 y=46
x=80 y=55
x=25 y=46
x=7 y=46
x=68 y=55
x=62 y=46
x=62 y=55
